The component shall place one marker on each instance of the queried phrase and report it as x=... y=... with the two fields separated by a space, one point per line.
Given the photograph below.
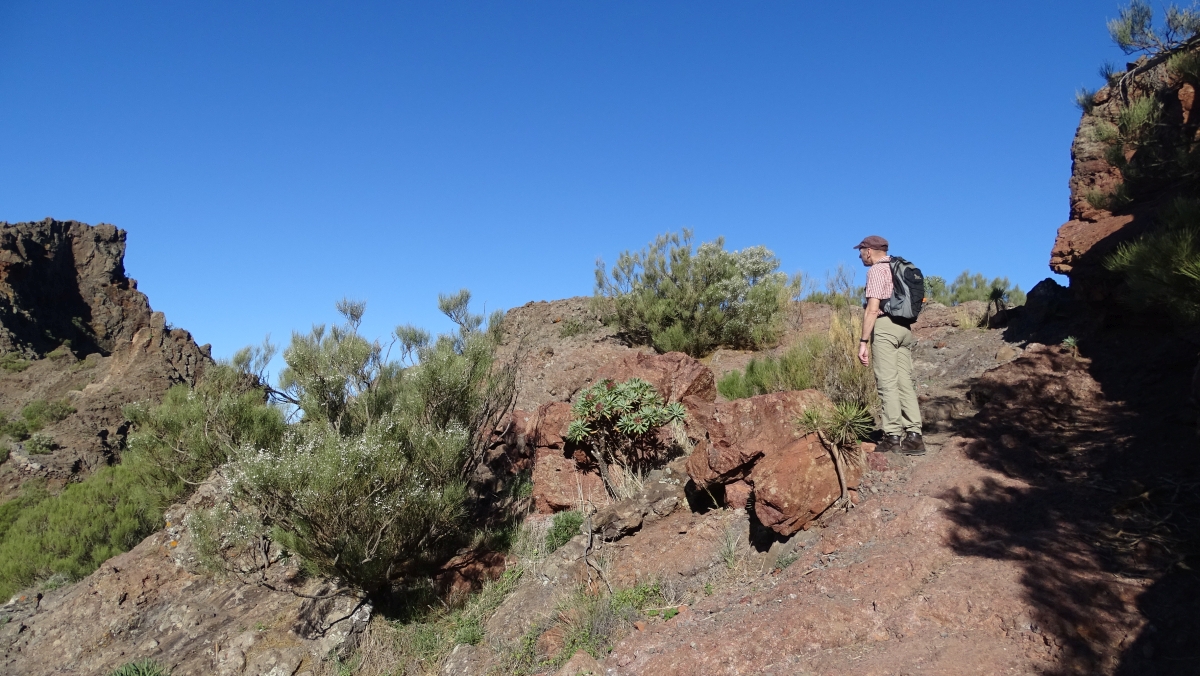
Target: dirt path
x=1040 y=538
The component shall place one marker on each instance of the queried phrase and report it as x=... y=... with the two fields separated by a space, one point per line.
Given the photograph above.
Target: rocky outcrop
x=1098 y=223
x=82 y=333
x=65 y=281
x=754 y=449
x=558 y=347
x=152 y=603
x=674 y=375
x=564 y=478
x=740 y=432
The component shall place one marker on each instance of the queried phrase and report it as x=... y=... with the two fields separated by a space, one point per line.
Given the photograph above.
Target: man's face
x=864 y=254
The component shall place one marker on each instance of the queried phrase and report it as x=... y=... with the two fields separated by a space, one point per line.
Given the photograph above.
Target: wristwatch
x=863 y=340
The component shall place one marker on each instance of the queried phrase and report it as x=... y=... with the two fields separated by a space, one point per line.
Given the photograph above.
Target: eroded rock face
x=674 y=375
x=65 y=280
x=740 y=432
x=564 y=478
x=1096 y=229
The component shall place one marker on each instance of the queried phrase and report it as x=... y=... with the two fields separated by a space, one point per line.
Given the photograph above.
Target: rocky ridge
x=74 y=328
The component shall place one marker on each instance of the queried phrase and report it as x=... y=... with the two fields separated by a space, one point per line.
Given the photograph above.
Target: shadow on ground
x=1104 y=509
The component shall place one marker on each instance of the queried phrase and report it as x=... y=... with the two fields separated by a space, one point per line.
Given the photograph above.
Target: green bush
x=40 y=444
x=73 y=532
x=194 y=430
x=32 y=492
x=40 y=413
x=1161 y=270
x=17 y=430
x=370 y=483
x=564 y=527
x=827 y=362
x=677 y=299
x=967 y=287
x=141 y=668
x=109 y=512
x=795 y=370
x=839 y=289
x=13 y=363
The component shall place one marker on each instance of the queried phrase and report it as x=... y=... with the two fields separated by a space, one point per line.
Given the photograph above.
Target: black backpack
x=908 y=290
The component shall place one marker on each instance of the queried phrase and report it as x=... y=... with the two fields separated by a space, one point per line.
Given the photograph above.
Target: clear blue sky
x=268 y=158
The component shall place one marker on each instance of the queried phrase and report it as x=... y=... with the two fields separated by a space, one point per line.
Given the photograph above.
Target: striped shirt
x=879 y=282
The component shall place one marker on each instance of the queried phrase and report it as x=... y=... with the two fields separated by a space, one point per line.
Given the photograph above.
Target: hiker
x=890 y=343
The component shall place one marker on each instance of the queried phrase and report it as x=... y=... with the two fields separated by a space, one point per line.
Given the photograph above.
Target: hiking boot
x=889 y=444
x=913 y=444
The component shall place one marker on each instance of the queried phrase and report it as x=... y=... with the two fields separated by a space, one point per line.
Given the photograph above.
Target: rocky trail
x=1034 y=537
x=1024 y=542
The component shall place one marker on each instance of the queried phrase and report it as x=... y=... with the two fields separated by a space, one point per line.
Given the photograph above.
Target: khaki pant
x=891 y=355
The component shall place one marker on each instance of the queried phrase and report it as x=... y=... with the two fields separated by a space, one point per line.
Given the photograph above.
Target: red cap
x=873 y=242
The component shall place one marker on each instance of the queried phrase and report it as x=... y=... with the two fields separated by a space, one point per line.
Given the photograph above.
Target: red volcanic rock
x=794 y=484
x=1078 y=237
x=741 y=431
x=674 y=374
x=545 y=427
x=737 y=494
x=466 y=573
x=559 y=483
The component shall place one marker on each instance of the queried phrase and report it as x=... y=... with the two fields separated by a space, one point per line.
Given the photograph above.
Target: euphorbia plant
x=614 y=421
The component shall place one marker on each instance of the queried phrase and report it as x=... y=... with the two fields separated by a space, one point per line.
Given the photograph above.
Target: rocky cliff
x=65 y=281
x=75 y=329
x=1122 y=175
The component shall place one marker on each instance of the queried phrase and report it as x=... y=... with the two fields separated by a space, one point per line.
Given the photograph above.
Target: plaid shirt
x=879 y=281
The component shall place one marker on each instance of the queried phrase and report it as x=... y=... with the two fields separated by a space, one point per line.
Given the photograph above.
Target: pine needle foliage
x=371 y=481
x=1134 y=31
x=677 y=298
x=1162 y=269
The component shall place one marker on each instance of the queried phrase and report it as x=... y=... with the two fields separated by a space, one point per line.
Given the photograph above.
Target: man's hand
x=864 y=353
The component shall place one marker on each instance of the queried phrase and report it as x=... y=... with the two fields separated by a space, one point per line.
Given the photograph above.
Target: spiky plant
x=1072 y=344
x=839 y=429
x=141 y=668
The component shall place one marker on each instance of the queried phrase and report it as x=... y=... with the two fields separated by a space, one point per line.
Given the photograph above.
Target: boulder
x=467 y=572
x=658 y=499
x=674 y=374
x=559 y=483
x=546 y=426
x=741 y=431
x=737 y=494
x=794 y=484
x=580 y=664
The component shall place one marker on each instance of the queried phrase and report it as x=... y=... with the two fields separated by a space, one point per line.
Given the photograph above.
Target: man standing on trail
x=890 y=343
